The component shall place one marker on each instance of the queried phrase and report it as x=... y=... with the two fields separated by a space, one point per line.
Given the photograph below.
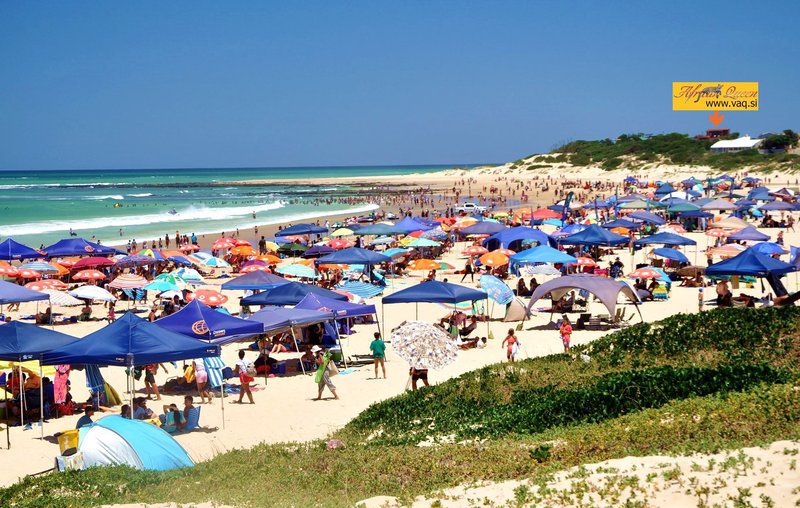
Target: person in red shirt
x=509 y=342
x=566 y=332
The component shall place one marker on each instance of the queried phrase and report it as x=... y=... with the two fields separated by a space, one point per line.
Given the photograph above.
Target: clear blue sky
x=207 y=84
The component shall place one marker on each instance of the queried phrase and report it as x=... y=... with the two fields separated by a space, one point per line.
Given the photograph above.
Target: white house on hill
x=736 y=145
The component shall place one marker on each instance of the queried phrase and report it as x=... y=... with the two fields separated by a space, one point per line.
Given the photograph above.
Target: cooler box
x=68 y=439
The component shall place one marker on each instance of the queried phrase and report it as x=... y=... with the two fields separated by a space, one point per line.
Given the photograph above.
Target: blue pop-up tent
x=255 y=280
x=768 y=248
x=302 y=229
x=750 y=262
x=595 y=235
x=289 y=294
x=318 y=250
x=12 y=293
x=434 y=291
x=665 y=238
x=673 y=254
x=130 y=341
x=749 y=233
x=514 y=237
x=379 y=230
x=621 y=223
x=340 y=309
x=354 y=256
x=483 y=228
x=78 y=247
x=647 y=217
x=11 y=249
x=541 y=254
x=199 y=321
x=409 y=225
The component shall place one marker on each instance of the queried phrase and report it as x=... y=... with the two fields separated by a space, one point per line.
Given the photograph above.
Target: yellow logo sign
x=715 y=96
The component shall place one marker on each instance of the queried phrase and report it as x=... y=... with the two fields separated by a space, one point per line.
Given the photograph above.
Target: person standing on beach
x=150 y=384
x=510 y=342
x=469 y=270
x=323 y=375
x=378 y=348
x=243 y=370
x=566 y=332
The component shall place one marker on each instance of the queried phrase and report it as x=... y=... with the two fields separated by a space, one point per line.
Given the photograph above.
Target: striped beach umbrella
x=61 y=299
x=297 y=270
x=128 y=281
x=39 y=266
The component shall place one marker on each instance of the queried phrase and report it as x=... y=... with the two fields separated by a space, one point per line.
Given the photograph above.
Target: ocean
x=40 y=207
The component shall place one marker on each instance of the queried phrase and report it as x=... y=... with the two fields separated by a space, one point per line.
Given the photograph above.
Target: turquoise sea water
x=40 y=207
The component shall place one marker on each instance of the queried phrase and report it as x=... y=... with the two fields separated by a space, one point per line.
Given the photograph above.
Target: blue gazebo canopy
x=78 y=247
x=340 y=309
x=621 y=223
x=673 y=254
x=434 y=291
x=291 y=293
x=750 y=262
x=541 y=254
x=409 y=225
x=130 y=341
x=647 y=217
x=12 y=293
x=595 y=235
x=749 y=233
x=379 y=230
x=302 y=229
x=200 y=321
x=11 y=249
x=665 y=238
x=354 y=256
x=274 y=319
x=255 y=280
x=483 y=228
x=318 y=250
x=23 y=341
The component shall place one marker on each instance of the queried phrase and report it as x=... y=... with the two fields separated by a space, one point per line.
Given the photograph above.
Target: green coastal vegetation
x=721 y=379
x=633 y=151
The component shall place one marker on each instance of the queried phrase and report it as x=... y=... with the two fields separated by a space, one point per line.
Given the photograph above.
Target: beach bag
x=188 y=374
x=332 y=369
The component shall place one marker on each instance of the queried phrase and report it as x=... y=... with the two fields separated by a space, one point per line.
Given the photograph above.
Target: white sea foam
x=140 y=195
x=116 y=197
x=35 y=185
x=188 y=214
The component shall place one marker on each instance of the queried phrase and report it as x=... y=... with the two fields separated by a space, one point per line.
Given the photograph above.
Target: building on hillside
x=714 y=134
x=736 y=145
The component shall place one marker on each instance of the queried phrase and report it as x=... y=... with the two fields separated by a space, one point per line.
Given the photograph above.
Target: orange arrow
x=716 y=118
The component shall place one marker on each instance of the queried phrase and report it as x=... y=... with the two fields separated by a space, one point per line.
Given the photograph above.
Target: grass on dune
x=676 y=386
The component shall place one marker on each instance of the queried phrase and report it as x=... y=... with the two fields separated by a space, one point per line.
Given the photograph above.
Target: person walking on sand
x=469 y=270
x=244 y=369
x=566 y=332
x=378 y=348
x=150 y=384
x=511 y=343
x=324 y=371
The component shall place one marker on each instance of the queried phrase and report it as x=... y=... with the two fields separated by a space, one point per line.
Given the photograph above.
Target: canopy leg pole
x=416 y=311
x=339 y=340
x=382 y=326
x=41 y=401
x=21 y=386
x=294 y=338
x=488 y=331
x=222 y=394
x=8 y=428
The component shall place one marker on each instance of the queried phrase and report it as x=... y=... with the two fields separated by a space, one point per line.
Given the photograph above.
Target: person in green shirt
x=378 y=348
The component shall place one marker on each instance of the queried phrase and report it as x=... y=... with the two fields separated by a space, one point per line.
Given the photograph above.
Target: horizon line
x=186 y=168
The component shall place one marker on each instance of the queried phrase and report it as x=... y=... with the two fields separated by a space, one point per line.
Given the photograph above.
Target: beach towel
x=214 y=366
x=60 y=383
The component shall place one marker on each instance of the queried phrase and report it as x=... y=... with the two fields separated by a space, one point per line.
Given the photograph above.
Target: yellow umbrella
x=342 y=232
x=30 y=365
x=272 y=246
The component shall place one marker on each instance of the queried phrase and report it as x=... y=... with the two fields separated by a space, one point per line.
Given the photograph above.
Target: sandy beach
x=284 y=405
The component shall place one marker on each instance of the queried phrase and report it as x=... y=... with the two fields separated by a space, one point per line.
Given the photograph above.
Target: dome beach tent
x=117 y=441
x=606 y=290
x=20 y=342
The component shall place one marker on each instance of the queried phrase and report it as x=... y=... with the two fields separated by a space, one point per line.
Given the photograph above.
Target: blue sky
x=208 y=84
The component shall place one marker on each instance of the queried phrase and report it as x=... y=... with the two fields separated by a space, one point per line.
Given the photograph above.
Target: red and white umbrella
x=475 y=250
x=505 y=252
x=254 y=268
x=39 y=285
x=27 y=273
x=89 y=275
x=92 y=262
x=644 y=273
x=239 y=242
x=208 y=297
x=338 y=244
x=717 y=233
x=585 y=261
x=8 y=270
x=224 y=243
x=189 y=247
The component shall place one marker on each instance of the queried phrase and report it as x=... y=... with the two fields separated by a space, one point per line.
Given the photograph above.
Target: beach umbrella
x=152 y=253
x=292 y=248
x=423 y=345
x=396 y=252
x=173 y=279
x=497 y=290
x=7 y=270
x=89 y=275
x=691 y=271
x=90 y=292
x=207 y=296
x=269 y=258
x=428 y=264
x=271 y=246
x=544 y=214
x=39 y=266
x=505 y=252
x=223 y=243
x=188 y=274
x=134 y=260
x=27 y=273
x=717 y=233
x=493 y=259
x=159 y=286
x=542 y=269
x=340 y=244
x=91 y=262
x=768 y=248
x=475 y=250
x=243 y=250
x=423 y=242
x=128 y=281
x=646 y=272
x=728 y=250
x=382 y=240
x=189 y=247
x=777 y=206
x=61 y=299
x=39 y=285
x=342 y=232
x=254 y=268
x=584 y=261
x=297 y=270
x=216 y=262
